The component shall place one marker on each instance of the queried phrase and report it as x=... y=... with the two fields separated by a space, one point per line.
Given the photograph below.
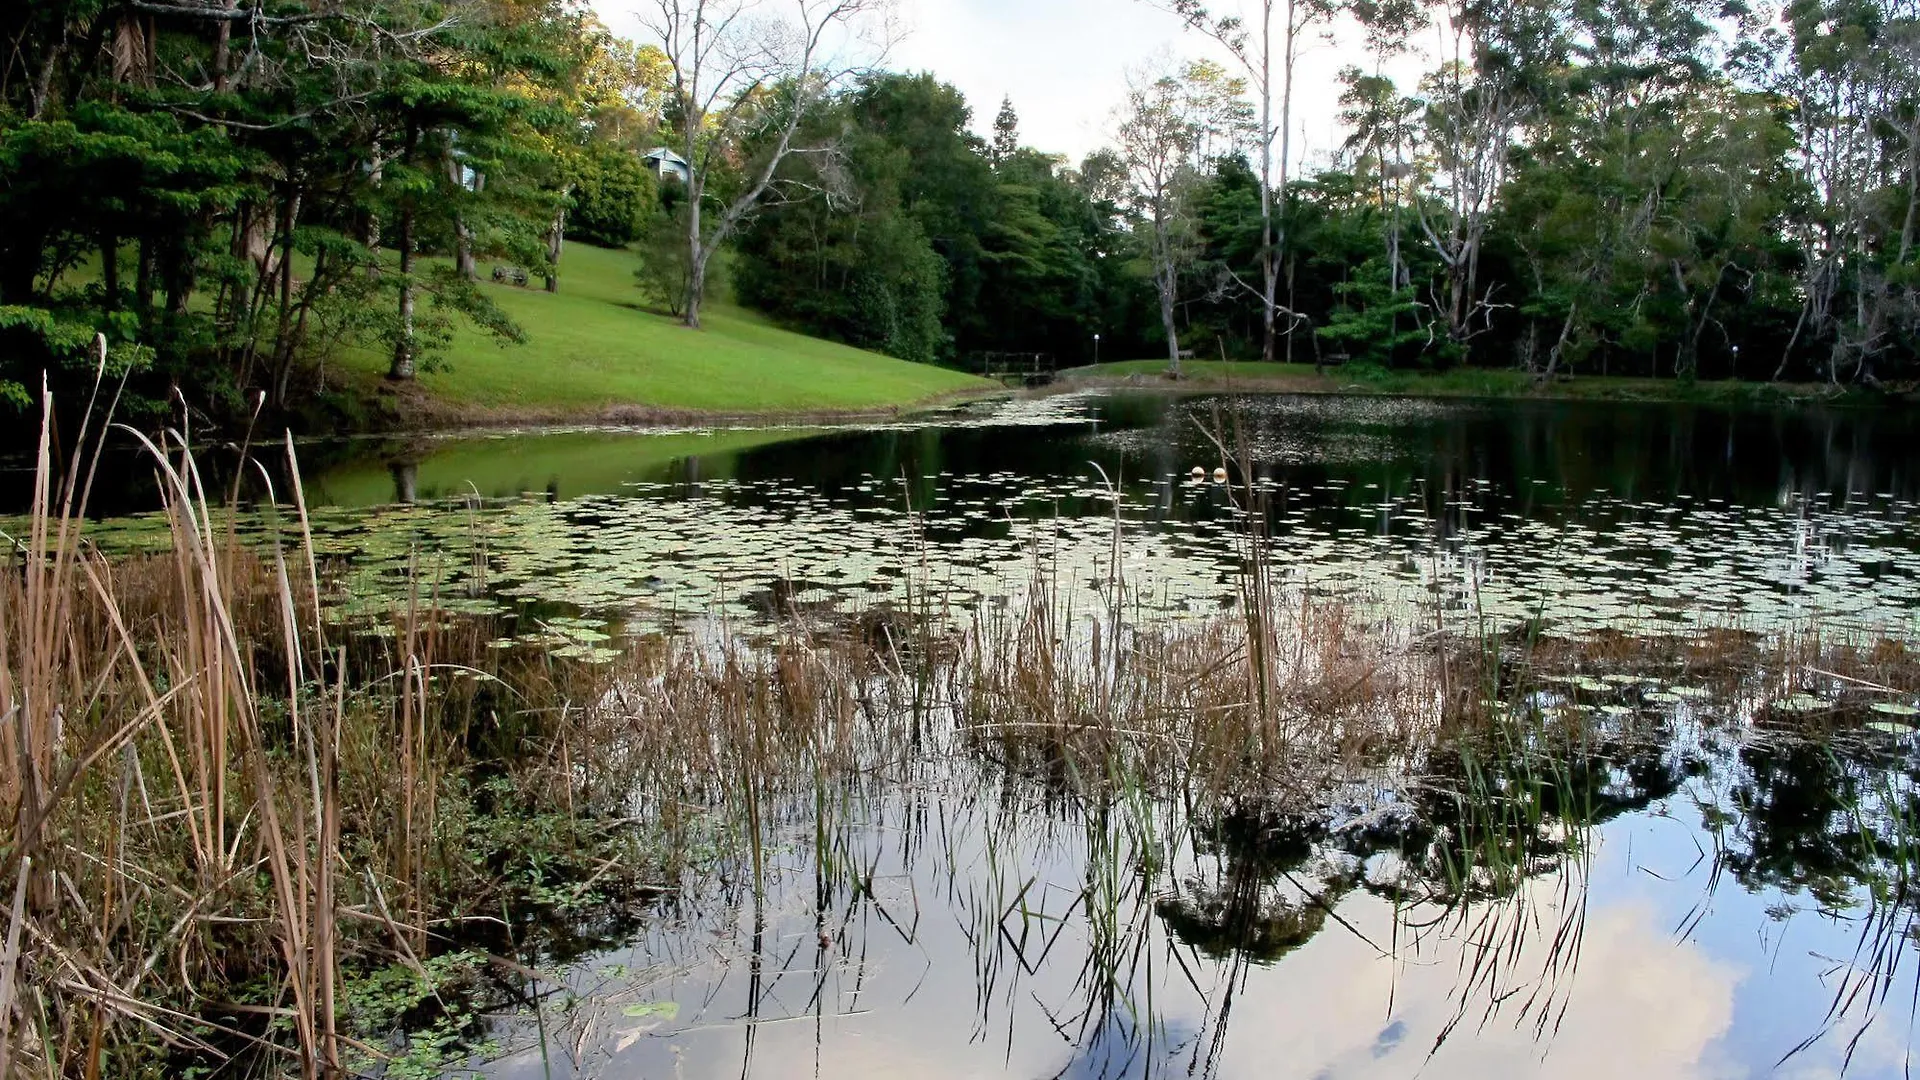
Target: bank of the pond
x=1214 y=375
x=593 y=354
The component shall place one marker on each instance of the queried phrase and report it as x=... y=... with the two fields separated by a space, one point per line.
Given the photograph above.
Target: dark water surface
x=1587 y=514
x=1722 y=900
x=1746 y=456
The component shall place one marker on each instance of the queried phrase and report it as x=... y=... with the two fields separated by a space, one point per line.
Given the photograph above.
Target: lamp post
x=1096 y=348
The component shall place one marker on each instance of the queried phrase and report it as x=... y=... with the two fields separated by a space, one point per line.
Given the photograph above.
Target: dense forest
x=231 y=191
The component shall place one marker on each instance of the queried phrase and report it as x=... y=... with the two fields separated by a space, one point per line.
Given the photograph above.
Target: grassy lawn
x=1460 y=382
x=591 y=352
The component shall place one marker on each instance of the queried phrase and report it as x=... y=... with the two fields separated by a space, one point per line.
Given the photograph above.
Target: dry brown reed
x=1272 y=705
x=173 y=790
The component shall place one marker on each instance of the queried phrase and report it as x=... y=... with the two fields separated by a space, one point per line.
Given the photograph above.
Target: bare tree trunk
x=463 y=235
x=463 y=250
x=1686 y=361
x=1553 y=355
x=1786 y=354
x=1294 y=319
x=376 y=172
x=222 y=51
x=404 y=360
x=696 y=288
x=1279 y=232
x=462 y=232
x=43 y=83
x=290 y=346
x=130 y=52
x=696 y=257
x=1166 y=282
x=143 y=279
x=556 y=236
x=282 y=345
x=176 y=272
x=1269 y=261
x=110 y=270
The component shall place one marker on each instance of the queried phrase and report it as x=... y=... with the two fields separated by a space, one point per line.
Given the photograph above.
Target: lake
x=1703 y=885
x=1585 y=514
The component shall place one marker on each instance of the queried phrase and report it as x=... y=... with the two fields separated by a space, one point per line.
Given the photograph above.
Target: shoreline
x=424 y=415
x=413 y=412
x=1469 y=383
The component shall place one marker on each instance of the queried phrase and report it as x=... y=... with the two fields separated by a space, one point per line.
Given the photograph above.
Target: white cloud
x=1641 y=1006
x=1063 y=62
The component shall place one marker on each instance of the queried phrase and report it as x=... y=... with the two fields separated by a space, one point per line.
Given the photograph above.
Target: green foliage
x=430 y=1007
x=612 y=196
x=1671 y=190
x=666 y=265
x=853 y=266
x=921 y=241
x=878 y=285
x=1376 y=323
x=242 y=205
x=35 y=340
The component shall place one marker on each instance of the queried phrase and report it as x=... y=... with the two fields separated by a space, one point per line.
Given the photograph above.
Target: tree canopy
x=231 y=192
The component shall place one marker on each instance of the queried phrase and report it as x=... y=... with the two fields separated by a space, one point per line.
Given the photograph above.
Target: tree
x=1224 y=124
x=1385 y=135
x=1156 y=137
x=1006 y=132
x=913 y=240
x=857 y=268
x=1475 y=104
x=735 y=79
x=1255 y=52
x=1383 y=147
x=611 y=195
x=623 y=88
x=1646 y=197
x=468 y=161
x=219 y=159
x=1854 y=77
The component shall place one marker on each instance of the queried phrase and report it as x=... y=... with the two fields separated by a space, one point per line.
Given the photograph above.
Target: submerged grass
x=241 y=830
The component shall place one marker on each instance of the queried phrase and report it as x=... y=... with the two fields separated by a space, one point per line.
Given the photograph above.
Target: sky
x=1064 y=63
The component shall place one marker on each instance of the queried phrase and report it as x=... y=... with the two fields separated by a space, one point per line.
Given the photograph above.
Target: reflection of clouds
x=1642 y=1006
x=1885 y=1048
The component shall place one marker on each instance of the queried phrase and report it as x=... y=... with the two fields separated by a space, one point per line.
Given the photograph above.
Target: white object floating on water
x=1199 y=474
x=1220 y=474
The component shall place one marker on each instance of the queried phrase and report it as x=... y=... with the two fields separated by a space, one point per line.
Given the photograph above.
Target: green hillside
x=592 y=353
